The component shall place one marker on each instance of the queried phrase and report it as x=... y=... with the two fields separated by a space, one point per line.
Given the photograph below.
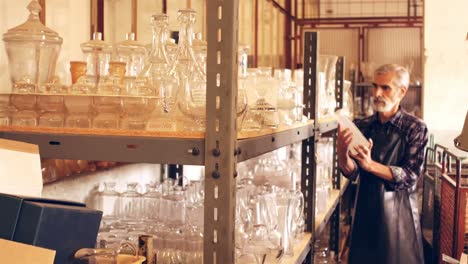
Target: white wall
x=446 y=68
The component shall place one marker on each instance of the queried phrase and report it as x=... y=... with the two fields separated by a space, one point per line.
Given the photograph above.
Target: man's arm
x=347 y=165
x=406 y=175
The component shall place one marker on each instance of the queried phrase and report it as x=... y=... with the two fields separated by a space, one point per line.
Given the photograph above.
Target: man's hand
x=344 y=138
x=363 y=156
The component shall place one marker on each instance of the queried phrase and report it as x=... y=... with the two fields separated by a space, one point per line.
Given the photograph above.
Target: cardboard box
x=14 y=252
x=20 y=168
x=58 y=225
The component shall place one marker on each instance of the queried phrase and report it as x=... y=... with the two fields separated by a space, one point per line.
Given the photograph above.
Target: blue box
x=63 y=226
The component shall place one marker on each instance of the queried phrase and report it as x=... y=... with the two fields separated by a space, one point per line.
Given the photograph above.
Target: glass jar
x=32 y=51
x=97 y=54
x=133 y=53
x=108 y=202
x=130 y=204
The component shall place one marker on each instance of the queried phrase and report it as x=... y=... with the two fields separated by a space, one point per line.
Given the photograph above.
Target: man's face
x=386 y=94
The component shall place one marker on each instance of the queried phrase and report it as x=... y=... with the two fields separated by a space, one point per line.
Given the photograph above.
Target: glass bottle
x=191 y=97
x=156 y=79
x=32 y=51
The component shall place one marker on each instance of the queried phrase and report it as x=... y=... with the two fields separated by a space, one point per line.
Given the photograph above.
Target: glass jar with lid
x=133 y=53
x=97 y=54
x=32 y=50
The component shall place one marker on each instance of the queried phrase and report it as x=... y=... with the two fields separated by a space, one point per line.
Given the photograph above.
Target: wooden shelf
x=148 y=146
x=301 y=249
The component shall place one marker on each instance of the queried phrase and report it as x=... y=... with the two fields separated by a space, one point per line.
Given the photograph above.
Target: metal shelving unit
x=218 y=149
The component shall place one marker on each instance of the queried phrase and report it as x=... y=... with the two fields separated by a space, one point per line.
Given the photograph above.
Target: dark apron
x=386 y=226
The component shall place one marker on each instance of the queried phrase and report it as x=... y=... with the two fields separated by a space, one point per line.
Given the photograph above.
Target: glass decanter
x=191 y=97
x=153 y=86
x=32 y=51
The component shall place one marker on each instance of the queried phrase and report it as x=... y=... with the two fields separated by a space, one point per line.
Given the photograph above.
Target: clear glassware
x=155 y=80
x=107 y=112
x=4 y=110
x=78 y=110
x=151 y=202
x=130 y=204
x=25 y=114
x=299 y=81
x=133 y=53
x=267 y=98
x=97 y=54
x=348 y=101
x=32 y=51
x=191 y=98
x=171 y=48
x=108 y=202
x=51 y=110
x=200 y=49
x=287 y=97
x=253 y=117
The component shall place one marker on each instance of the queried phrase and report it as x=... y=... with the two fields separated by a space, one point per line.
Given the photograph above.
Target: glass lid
x=33 y=29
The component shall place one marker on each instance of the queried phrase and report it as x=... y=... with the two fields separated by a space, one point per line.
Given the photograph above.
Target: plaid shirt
x=413 y=132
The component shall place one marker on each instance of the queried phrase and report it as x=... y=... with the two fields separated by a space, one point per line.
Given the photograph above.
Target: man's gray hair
x=401 y=74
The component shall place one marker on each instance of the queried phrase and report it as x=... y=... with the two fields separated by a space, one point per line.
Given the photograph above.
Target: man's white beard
x=382 y=105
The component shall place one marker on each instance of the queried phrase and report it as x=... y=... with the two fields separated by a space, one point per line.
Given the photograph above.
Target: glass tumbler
x=26 y=110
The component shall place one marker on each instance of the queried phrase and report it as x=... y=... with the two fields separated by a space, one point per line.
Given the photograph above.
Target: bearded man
x=385 y=226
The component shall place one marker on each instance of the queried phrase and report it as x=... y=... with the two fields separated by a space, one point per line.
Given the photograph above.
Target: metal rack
x=219 y=149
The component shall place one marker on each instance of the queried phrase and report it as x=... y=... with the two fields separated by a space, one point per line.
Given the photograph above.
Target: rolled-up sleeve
x=406 y=175
x=353 y=176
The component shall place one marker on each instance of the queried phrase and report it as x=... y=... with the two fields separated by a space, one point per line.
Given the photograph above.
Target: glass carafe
x=191 y=98
x=32 y=51
x=155 y=81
